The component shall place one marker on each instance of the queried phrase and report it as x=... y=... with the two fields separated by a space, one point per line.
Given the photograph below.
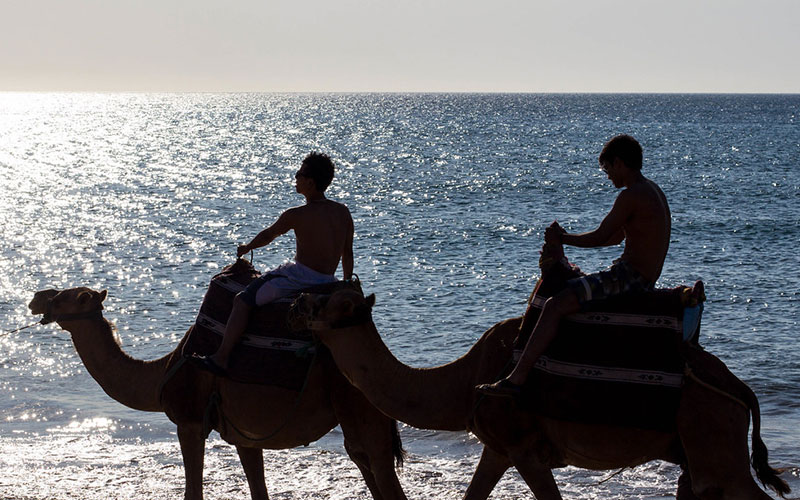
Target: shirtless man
x=324 y=235
x=640 y=216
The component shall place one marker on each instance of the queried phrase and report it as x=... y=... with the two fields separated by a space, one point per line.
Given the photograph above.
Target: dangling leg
x=237 y=322
x=543 y=334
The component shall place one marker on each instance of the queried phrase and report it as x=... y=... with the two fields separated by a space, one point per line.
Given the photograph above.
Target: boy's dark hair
x=624 y=147
x=320 y=168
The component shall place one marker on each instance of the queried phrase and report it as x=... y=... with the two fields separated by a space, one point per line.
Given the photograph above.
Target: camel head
x=341 y=309
x=75 y=303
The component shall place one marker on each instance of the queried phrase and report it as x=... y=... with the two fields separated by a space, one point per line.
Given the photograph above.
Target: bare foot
x=698 y=291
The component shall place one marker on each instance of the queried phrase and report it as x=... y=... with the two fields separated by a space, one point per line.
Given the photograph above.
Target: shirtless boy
x=323 y=232
x=640 y=216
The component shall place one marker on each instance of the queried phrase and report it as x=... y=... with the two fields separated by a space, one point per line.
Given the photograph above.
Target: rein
x=21 y=328
x=49 y=318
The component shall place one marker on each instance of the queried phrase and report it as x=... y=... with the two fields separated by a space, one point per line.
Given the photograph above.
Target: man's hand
x=552 y=235
x=241 y=250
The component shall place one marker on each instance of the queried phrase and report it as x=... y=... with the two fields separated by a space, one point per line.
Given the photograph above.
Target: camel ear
x=371 y=300
x=84 y=297
x=102 y=295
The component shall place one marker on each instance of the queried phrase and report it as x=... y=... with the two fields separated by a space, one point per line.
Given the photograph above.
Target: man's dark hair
x=320 y=168
x=624 y=147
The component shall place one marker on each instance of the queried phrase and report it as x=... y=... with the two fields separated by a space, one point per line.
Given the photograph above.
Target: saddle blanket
x=269 y=352
x=618 y=362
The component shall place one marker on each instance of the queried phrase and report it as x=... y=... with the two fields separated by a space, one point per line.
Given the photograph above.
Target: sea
x=148 y=195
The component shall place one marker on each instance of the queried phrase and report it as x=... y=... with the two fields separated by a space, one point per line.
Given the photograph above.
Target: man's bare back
x=648 y=229
x=324 y=232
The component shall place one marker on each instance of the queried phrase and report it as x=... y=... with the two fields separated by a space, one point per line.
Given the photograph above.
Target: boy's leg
x=543 y=333
x=237 y=322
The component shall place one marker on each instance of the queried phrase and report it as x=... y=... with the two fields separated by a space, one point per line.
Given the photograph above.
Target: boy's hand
x=241 y=250
x=552 y=235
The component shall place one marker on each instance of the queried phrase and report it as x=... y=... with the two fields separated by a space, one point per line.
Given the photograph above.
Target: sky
x=401 y=45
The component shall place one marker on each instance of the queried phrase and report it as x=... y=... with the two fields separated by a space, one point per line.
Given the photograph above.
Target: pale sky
x=401 y=45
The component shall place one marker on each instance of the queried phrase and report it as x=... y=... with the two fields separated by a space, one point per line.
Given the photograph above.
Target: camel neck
x=429 y=398
x=129 y=381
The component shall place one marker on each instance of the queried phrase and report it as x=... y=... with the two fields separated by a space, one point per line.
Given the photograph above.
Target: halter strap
x=49 y=318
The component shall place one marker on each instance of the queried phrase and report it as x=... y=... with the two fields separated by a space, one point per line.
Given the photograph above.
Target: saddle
x=619 y=361
x=269 y=353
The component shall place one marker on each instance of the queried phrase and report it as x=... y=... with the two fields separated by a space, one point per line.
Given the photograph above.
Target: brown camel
x=712 y=422
x=251 y=417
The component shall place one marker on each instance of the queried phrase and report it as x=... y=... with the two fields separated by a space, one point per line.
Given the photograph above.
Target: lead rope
x=19 y=329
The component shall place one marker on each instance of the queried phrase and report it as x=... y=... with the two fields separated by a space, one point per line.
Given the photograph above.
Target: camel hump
x=269 y=353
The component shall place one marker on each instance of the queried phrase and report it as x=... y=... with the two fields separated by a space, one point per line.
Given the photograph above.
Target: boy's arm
x=611 y=230
x=347 y=251
x=265 y=237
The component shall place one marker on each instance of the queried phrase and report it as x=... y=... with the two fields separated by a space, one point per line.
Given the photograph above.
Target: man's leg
x=237 y=322
x=543 y=333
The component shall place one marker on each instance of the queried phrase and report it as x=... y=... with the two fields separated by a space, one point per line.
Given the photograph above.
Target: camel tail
x=759 y=457
x=398 y=451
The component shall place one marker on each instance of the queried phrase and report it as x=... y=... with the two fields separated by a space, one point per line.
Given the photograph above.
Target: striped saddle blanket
x=617 y=362
x=269 y=352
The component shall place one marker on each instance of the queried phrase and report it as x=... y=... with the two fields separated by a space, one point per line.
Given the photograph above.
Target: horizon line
x=421 y=92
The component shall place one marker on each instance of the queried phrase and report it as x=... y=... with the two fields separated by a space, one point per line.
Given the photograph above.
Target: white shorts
x=283 y=281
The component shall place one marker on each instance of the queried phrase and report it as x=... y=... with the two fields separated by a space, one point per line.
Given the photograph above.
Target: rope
x=690 y=374
x=19 y=329
x=170 y=373
x=611 y=476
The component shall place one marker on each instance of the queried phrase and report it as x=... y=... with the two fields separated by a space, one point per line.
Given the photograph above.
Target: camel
x=710 y=442
x=251 y=417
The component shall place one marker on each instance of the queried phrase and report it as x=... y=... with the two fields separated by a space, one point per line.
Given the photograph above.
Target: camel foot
x=502 y=388
x=207 y=364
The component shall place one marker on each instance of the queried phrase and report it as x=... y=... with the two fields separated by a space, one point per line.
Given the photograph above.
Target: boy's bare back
x=647 y=228
x=324 y=233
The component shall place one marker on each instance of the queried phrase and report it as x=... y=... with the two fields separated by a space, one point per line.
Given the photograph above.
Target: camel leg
x=368 y=439
x=685 y=486
x=192 y=444
x=491 y=468
x=252 y=460
x=539 y=479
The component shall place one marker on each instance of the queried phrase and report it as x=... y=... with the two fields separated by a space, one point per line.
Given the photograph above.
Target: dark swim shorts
x=618 y=279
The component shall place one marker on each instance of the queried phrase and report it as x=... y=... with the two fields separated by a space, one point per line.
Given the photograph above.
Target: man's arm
x=265 y=237
x=611 y=230
x=347 y=251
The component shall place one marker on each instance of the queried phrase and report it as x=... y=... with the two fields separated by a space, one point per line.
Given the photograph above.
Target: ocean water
x=147 y=195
